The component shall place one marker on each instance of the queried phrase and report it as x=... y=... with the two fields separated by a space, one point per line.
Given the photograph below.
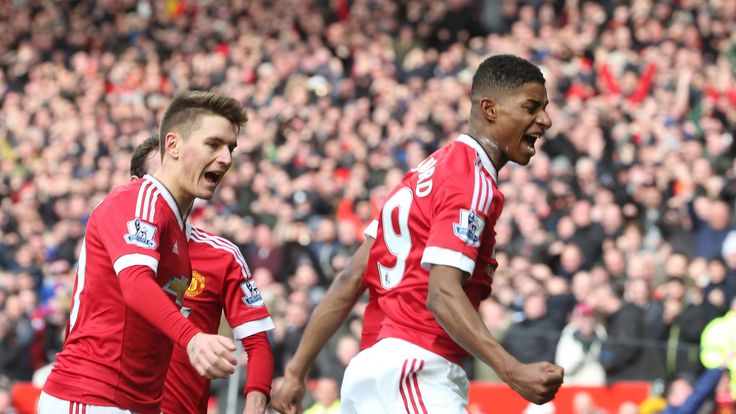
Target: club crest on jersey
x=252 y=296
x=469 y=228
x=140 y=234
x=196 y=286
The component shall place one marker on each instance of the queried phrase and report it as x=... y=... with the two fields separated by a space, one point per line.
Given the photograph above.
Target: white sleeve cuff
x=135 y=259
x=253 y=327
x=441 y=256
x=372 y=229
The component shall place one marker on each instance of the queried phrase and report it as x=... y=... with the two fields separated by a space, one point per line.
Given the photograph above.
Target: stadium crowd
x=616 y=247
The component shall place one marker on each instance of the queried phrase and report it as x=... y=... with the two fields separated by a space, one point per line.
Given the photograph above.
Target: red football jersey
x=443 y=212
x=221 y=280
x=113 y=356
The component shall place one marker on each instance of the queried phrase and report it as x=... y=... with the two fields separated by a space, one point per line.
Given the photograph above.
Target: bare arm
x=331 y=311
x=255 y=403
x=449 y=304
x=324 y=322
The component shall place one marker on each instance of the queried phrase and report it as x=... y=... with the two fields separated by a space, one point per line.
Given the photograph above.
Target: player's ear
x=171 y=144
x=489 y=109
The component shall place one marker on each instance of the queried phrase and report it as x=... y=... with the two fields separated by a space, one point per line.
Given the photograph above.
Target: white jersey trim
x=81 y=273
x=163 y=191
x=145 y=212
x=141 y=196
x=487 y=164
x=372 y=229
x=253 y=327
x=47 y=403
x=482 y=191
x=222 y=243
x=135 y=259
x=440 y=256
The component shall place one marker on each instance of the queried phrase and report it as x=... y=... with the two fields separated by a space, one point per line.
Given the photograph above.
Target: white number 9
x=397 y=243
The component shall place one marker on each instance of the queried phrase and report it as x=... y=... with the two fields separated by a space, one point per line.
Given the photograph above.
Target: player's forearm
x=453 y=311
x=260 y=364
x=142 y=294
x=331 y=311
x=326 y=319
x=255 y=403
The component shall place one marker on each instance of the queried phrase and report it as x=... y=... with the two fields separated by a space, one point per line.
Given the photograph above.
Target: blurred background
x=617 y=246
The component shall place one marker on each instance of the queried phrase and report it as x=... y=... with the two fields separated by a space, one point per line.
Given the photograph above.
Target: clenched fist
x=537 y=383
x=212 y=355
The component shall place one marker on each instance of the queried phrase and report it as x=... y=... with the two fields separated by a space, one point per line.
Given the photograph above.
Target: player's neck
x=489 y=146
x=182 y=197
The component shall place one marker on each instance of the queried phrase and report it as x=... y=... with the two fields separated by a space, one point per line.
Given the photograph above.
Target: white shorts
x=394 y=376
x=48 y=404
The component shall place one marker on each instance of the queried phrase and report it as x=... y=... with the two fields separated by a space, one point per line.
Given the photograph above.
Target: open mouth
x=212 y=177
x=529 y=140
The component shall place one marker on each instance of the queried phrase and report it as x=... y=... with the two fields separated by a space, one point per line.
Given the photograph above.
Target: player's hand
x=537 y=383
x=255 y=403
x=287 y=398
x=212 y=355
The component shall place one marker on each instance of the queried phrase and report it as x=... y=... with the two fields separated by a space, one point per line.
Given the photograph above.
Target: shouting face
x=208 y=155
x=519 y=120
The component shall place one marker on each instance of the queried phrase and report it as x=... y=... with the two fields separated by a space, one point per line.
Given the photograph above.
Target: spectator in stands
x=582 y=403
x=326 y=397
x=289 y=331
x=717 y=348
x=332 y=361
x=711 y=221
x=5 y=402
x=498 y=320
x=718 y=281
x=579 y=348
x=682 y=397
x=728 y=253
x=16 y=337
x=534 y=338
x=346 y=96
x=683 y=321
x=626 y=354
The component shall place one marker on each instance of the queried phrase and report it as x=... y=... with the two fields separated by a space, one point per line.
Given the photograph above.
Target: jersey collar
x=168 y=197
x=487 y=164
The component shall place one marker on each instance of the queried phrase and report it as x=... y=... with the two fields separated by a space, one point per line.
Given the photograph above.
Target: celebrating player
x=432 y=261
x=220 y=280
x=134 y=270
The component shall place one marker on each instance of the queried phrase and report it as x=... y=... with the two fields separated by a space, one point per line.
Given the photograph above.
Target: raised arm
x=327 y=317
x=449 y=304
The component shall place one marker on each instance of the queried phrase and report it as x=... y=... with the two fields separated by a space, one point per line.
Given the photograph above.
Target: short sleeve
x=130 y=239
x=245 y=309
x=460 y=214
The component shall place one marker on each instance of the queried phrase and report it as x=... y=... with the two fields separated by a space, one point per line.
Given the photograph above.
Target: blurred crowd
x=617 y=245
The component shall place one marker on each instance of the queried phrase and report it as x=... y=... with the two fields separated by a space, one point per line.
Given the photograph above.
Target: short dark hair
x=140 y=154
x=187 y=107
x=503 y=72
